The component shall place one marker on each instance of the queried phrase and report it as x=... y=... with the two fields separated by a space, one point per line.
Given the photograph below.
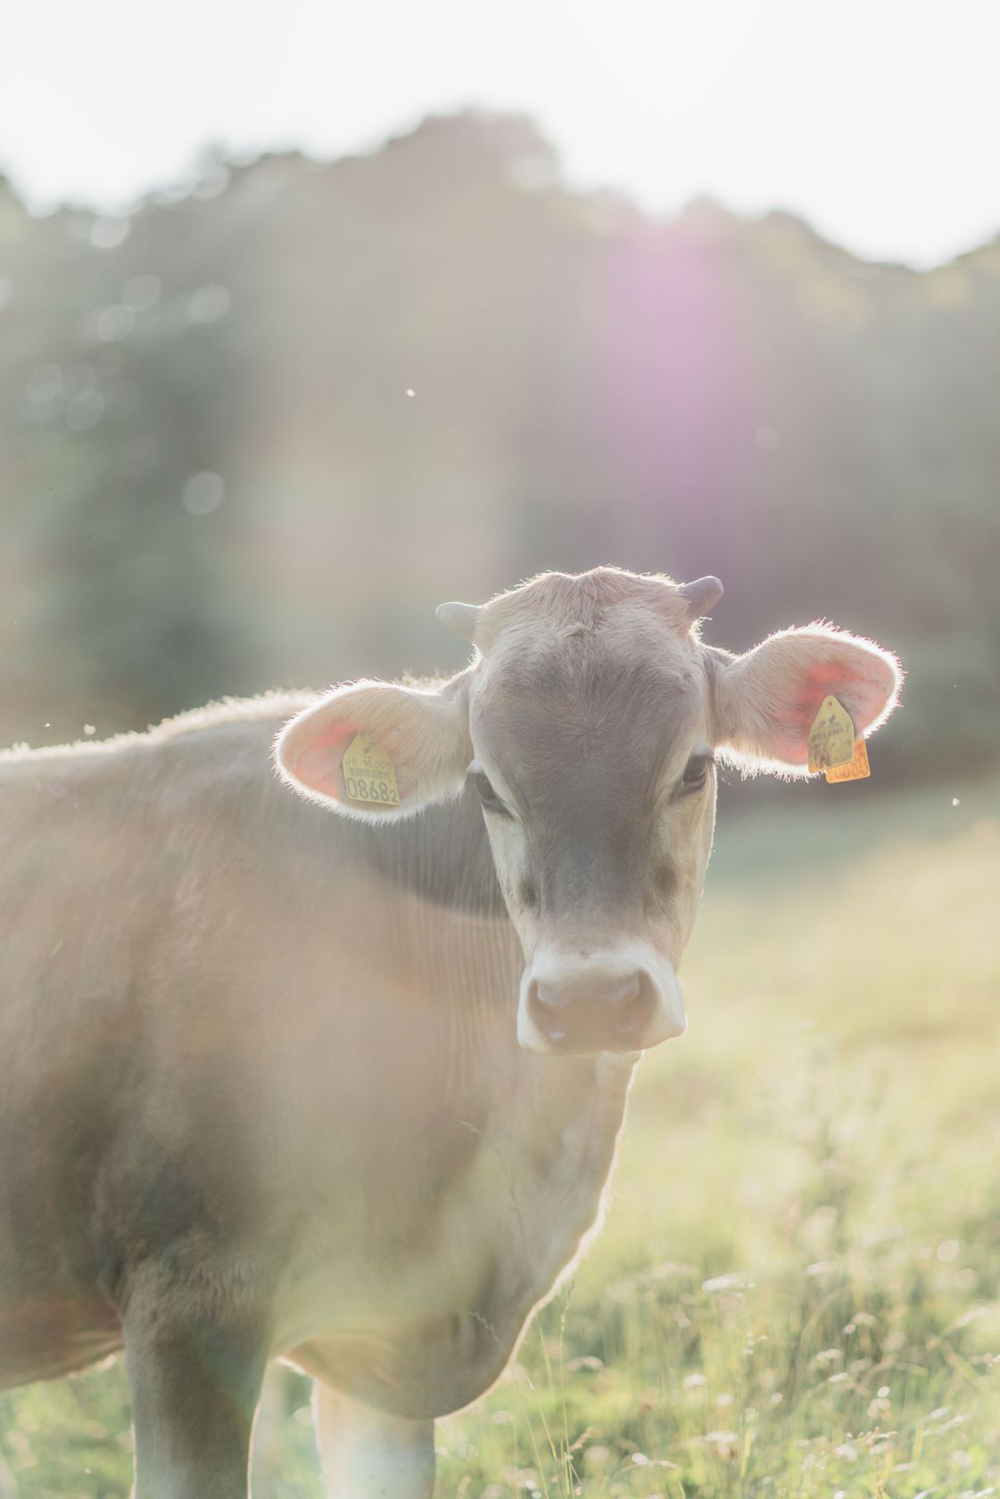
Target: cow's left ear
x=766 y=700
x=377 y=751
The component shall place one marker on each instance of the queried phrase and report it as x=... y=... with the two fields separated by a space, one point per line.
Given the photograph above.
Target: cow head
x=590 y=722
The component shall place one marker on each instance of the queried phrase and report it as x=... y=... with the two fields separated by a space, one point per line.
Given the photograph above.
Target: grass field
x=797 y=1287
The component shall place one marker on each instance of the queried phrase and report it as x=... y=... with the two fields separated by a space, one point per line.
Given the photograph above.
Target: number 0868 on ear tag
x=369 y=775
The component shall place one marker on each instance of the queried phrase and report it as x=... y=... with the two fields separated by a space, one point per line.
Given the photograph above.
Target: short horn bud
x=460 y=619
x=701 y=595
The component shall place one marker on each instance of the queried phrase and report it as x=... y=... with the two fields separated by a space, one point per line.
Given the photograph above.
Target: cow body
x=280 y=1083
x=222 y=1014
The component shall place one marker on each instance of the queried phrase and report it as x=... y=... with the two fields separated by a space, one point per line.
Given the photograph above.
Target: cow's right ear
x=404 y=748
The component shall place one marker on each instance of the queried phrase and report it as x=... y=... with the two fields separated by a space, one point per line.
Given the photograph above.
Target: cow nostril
x=625 y=992
x=547 y=1005
x=635 y=1011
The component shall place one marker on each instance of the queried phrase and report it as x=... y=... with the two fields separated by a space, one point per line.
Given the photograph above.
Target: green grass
x=796 y=1288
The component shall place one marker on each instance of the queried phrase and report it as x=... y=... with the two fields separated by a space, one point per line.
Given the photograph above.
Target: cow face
x=594 y=765
x=589 y=724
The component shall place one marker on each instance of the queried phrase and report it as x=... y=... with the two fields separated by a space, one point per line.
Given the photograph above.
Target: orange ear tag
x=833 y=748
x=856 y=769
x=369 y=775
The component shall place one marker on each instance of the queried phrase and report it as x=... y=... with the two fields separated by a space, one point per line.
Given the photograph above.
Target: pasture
x=796 y=1291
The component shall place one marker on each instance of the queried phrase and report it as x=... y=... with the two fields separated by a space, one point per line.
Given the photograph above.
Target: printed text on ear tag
x=831 y=738
x=856 y=769
x=369 y=775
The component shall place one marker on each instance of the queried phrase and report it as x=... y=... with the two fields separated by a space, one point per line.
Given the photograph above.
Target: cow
x=346 y=1089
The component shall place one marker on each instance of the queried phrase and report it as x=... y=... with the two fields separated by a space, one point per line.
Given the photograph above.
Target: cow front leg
x=195 y=1369
x=367 y=1454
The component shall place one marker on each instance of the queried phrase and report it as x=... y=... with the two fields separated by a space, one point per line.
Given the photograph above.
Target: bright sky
x=875 y=119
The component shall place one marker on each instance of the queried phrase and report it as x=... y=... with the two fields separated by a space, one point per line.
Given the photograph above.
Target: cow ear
x=404 y=747
x=766 y=700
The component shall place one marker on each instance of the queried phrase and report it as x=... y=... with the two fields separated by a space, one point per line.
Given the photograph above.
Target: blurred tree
x=252 y=434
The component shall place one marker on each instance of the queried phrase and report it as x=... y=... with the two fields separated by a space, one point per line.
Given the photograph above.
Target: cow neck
x=448 y=938
x=442 y=856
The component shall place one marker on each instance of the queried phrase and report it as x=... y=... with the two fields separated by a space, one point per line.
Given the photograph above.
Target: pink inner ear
x=317 y=763
x=863 y=698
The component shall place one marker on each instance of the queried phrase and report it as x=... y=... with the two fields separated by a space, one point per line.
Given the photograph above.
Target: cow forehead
x=589 y=677
x=604 y=602
x=586 y=704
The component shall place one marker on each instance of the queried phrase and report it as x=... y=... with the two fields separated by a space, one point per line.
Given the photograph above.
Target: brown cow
x=284 y=1084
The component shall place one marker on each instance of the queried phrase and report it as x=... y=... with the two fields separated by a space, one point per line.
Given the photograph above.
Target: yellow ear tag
x=369 y=775
x=831 y=738
x=832 y=746
x=856 y=769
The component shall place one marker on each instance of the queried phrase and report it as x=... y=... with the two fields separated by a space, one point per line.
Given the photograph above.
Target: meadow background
x=252 y=432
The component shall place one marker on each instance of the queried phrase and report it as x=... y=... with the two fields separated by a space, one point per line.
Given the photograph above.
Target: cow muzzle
x=583 y=1003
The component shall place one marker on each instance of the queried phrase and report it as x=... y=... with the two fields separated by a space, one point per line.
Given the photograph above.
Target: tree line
x=252 y=433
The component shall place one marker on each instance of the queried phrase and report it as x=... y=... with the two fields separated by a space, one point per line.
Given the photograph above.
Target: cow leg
x=195 y=1374
x=367 y=1454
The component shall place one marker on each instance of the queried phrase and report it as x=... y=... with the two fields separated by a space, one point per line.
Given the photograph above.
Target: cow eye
x=491 y=802
x=696 y=772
